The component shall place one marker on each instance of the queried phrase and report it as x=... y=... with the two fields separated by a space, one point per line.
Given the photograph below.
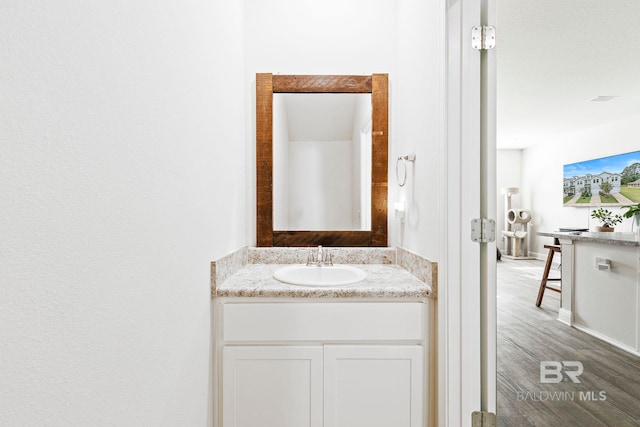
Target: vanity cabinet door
x=277 y=386
x=373 y=386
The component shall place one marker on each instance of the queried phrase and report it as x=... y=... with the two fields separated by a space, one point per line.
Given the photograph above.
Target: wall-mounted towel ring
x=404 y=159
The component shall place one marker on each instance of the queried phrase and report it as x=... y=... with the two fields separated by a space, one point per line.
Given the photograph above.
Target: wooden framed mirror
x=267 y=85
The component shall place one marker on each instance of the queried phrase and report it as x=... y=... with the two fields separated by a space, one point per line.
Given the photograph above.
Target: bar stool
x=545 y=276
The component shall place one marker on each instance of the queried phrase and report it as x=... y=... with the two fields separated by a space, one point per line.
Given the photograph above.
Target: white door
x=374 y=386
x=488 y=263
x=274 y=386
x=467 y=299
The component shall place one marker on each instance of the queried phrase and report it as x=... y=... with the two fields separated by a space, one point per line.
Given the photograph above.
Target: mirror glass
x=322 y=161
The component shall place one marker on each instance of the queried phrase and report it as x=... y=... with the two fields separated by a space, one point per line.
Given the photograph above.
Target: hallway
x=608 y=392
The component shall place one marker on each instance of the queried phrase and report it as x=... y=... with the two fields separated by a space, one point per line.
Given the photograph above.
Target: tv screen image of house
x=607 y=181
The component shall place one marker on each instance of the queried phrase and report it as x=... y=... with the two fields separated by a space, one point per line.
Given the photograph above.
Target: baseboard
x=518 y=257
x=538 y=256
x=565 y=316
x=607 y=339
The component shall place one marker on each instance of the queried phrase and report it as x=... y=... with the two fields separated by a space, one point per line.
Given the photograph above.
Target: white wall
x=399 y=38
x=508 y=174
x=361 y=164
x=417 y=123
x=127 y=164
x=280 y=164
x=542 y=174
x=119 y=124
x=320 y=190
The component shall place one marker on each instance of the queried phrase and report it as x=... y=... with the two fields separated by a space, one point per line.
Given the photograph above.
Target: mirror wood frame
x=378 y=86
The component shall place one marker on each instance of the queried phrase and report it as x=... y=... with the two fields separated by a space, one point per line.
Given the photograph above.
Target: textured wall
x=127 y=165
x=113 y=140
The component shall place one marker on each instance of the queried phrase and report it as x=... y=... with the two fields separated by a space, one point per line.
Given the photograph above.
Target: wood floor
x=609 y=390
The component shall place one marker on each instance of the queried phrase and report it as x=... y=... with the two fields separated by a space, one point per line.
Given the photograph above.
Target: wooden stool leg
x=545 y=276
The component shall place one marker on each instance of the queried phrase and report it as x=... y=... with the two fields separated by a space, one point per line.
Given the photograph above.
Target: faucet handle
x=310 y=257
x=328 y=258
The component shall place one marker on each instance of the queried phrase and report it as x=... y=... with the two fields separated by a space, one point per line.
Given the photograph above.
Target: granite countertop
x=390 y=273
x=382 y=281
x=613 y=238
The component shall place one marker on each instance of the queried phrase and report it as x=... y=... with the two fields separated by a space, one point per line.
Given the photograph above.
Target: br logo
x=553 y=372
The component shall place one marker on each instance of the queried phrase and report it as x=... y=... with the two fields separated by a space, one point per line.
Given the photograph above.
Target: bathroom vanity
x=348 y=355
x=349 y=344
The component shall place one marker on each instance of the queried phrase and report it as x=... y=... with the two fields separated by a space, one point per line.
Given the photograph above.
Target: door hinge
x=483 y=419
x=483 y=230
x=483 y=37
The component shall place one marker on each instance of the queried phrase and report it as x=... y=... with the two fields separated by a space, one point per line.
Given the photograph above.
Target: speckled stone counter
x=614 y=238
x=391 y=273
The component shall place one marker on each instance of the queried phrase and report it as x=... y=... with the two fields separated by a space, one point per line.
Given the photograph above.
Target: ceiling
x=553 y=57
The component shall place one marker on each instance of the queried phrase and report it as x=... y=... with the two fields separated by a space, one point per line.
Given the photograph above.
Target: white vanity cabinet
x=272 y=386
x=331 y=363
x=373 y=386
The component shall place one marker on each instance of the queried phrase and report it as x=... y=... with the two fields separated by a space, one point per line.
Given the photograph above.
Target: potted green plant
x=606 y=218
x=633 y=211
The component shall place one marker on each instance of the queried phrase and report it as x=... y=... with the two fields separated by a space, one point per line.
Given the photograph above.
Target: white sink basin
x=335 y=275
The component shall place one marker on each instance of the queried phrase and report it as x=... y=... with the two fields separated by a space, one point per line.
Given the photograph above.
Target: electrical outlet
x=603 y=264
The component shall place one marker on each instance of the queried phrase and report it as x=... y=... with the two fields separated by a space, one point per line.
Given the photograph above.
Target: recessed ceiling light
x=604 y=98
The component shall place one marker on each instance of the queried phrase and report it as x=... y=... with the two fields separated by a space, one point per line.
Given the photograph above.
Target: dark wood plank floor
x=609 y=390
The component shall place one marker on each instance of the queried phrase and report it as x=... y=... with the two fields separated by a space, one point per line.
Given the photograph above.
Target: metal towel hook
x=408 y=158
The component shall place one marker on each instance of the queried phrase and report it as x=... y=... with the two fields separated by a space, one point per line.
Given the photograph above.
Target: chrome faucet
x=320 y=258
